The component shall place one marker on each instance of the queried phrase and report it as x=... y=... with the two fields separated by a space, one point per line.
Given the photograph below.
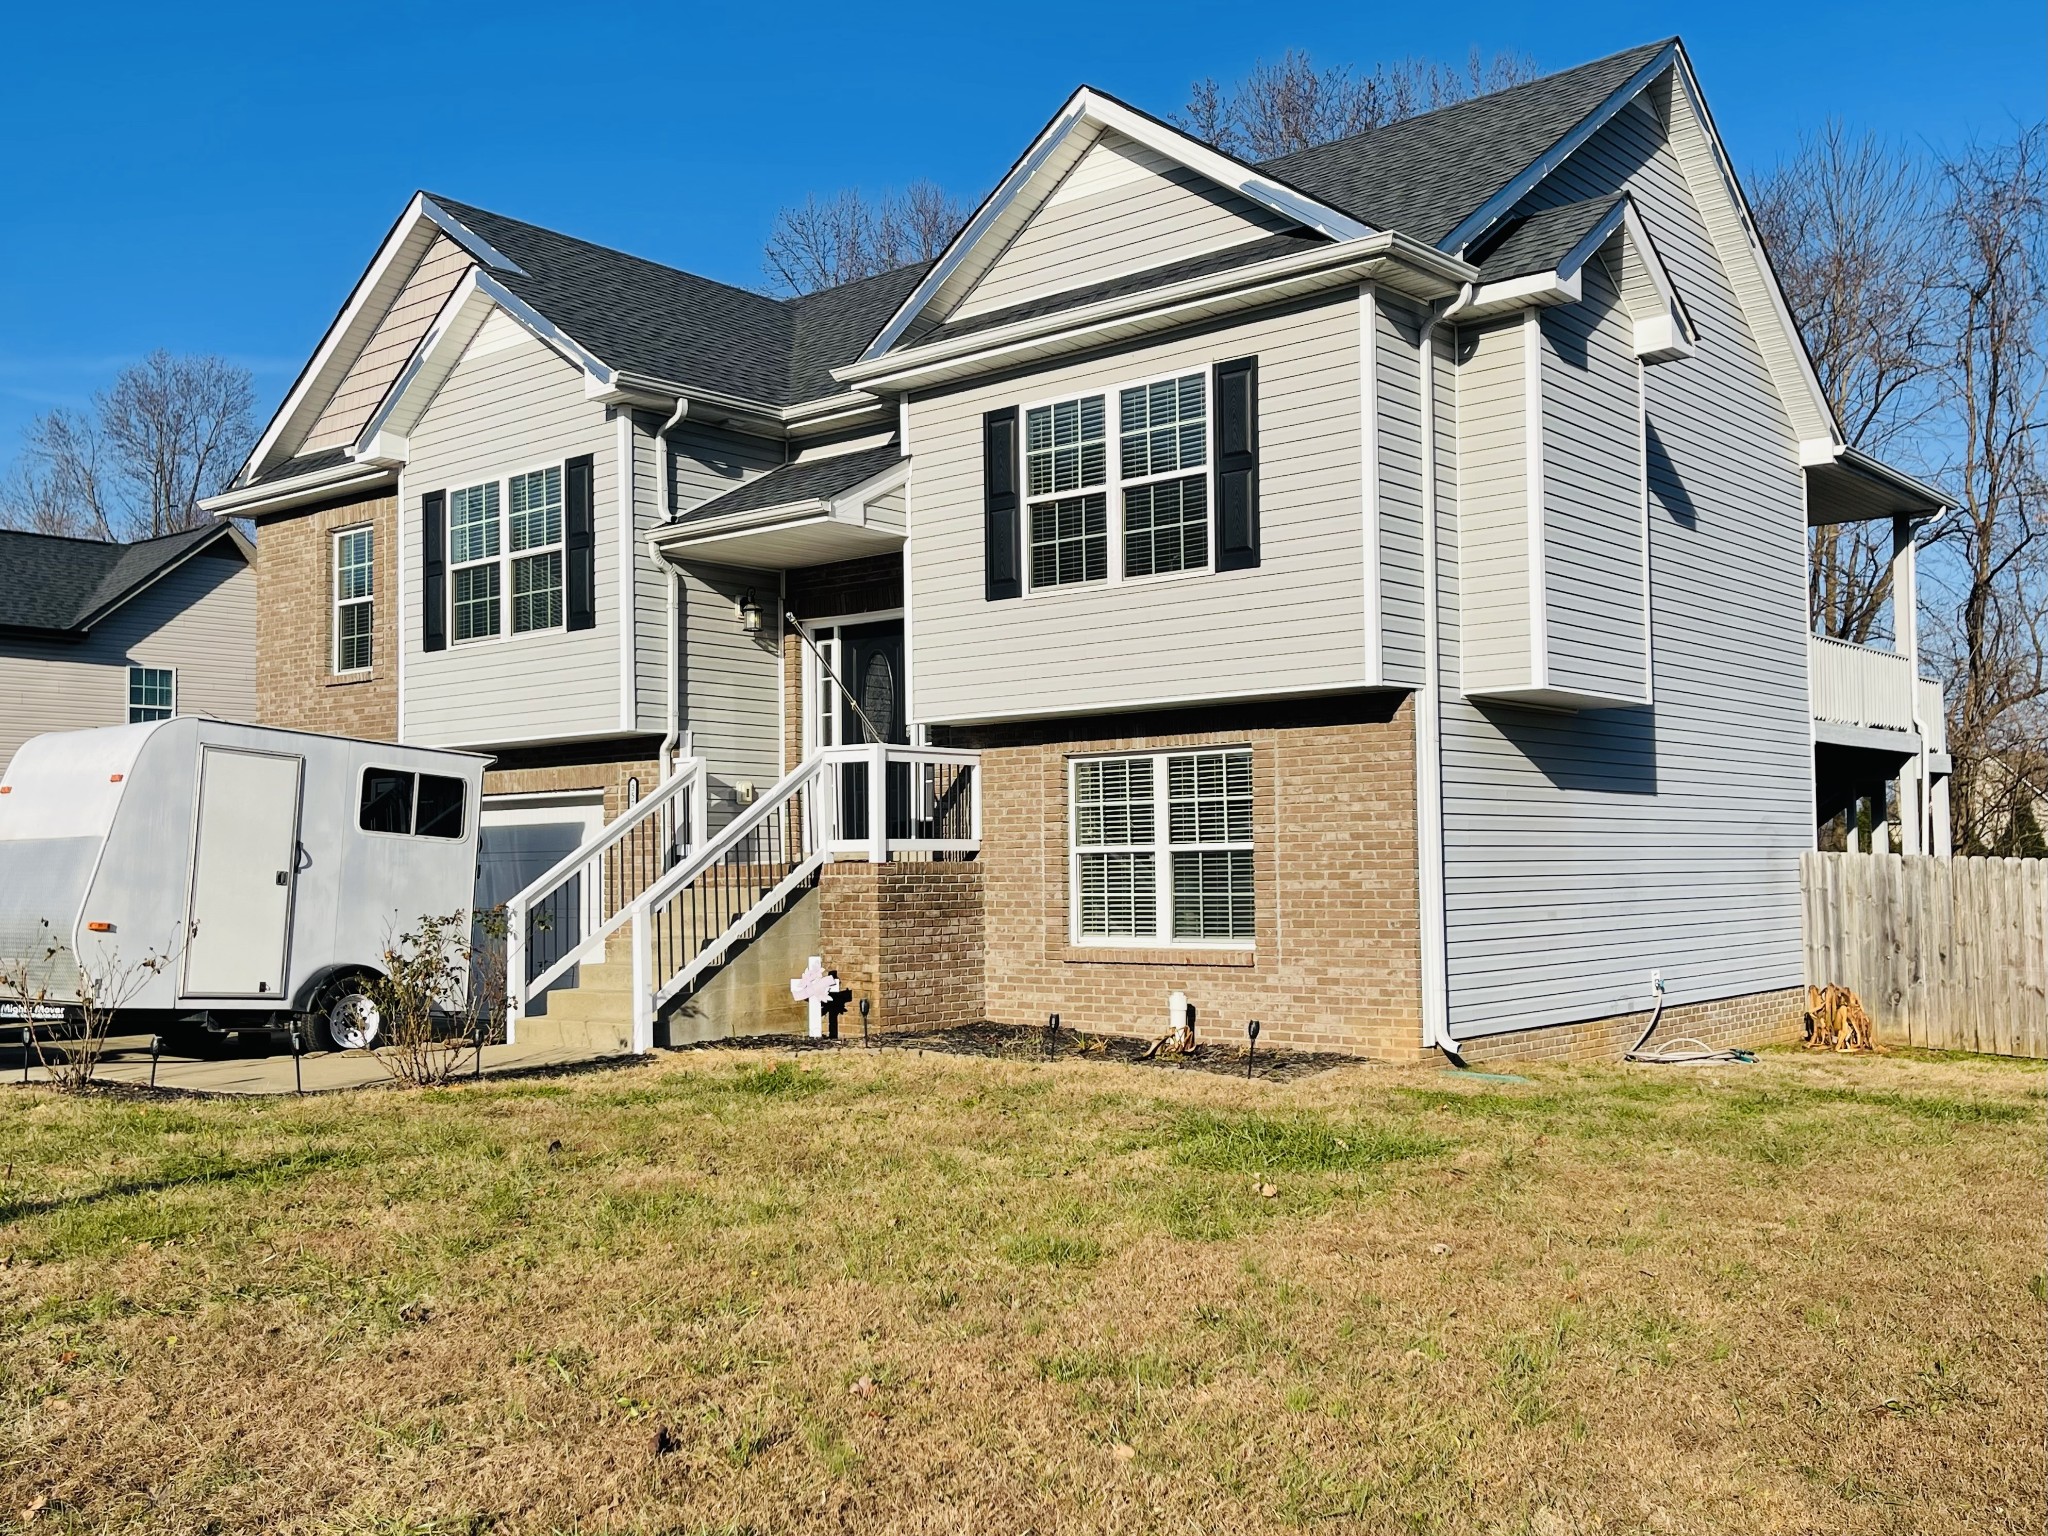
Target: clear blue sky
x=213 y=178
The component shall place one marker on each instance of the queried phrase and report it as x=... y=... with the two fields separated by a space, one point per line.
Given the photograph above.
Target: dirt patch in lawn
x=884 y=1291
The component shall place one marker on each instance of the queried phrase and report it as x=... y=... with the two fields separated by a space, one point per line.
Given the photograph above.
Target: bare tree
x=170 y=431
x=1850 y=224
x=1285 y=107
x=843 y=238
x=1991 y=553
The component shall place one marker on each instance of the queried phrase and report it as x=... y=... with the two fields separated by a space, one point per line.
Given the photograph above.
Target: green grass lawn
x=891 y=1292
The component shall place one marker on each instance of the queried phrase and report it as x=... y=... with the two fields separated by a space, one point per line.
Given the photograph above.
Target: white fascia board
x=1502 y=203
x=1781 y=312
x=1531 y=291
x=468 y=238
x=1381 y=257
x=295 y=400
x=280 y=495
x=851 y=504
x=1088 y=108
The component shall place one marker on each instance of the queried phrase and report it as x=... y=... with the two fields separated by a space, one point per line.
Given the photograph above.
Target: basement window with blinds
x=1161 y=848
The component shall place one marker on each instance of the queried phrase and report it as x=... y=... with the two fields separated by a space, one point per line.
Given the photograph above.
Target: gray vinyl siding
x=650 y=581
x=1584 y=850
x=1493 y=507
x=377 y=366
x=1123 y=208
x=1294 y=624
x=511 y=409
x=1593 y=495
x=199 y=620
x=1397 y=381
x=732 y=683
x=706 y=462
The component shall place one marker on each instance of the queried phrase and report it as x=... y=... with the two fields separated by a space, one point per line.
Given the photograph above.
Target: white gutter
x=248 y=500
x=1429 y=746
x=665 y=754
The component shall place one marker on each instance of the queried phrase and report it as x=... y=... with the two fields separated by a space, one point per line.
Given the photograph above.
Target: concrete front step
x=601 y=1037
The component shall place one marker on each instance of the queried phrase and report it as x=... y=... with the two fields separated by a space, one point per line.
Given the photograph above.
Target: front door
x=870 y=670
x=245 y=859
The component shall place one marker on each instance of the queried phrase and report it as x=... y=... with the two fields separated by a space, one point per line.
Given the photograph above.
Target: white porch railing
x=1860 y=685
x=871 y=802
x=561 y=919
x=1934 y=715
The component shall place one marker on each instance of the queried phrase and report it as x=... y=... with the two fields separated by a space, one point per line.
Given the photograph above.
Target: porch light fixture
x=750 y=613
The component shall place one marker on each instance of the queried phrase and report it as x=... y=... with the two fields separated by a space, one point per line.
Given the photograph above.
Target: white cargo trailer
x=269 y=870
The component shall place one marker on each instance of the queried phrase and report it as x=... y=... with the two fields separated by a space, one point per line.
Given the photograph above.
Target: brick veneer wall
x=296 y=685
x=910 y=938
x=589 y=767
x=1757 y=1018
x=1335 y=962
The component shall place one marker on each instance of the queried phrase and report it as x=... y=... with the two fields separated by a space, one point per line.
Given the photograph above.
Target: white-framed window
x=152 y=694
x=534 y=501
x=355 y=599
x=1154 y=473
x=475 y=560
x=1163 y=435
x=1160 y=847
x=1066 y=478
x=505 y=555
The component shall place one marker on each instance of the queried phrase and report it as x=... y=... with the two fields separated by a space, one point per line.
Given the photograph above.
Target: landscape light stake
x=28 y=1039
x=156 y=1048
x=1251 y=1050
x=864 y=1023
x=1052 y=1034
x=481 y=1031
x=298 y=1078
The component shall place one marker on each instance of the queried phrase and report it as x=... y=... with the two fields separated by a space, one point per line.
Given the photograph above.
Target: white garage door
x=521 y=839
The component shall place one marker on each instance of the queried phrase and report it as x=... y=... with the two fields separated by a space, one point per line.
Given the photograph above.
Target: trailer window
x=387 y=801
x=419 y=804
x=440 y=807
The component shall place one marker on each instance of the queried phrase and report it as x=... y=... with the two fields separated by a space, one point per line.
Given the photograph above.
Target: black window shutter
x=1237 y=464
x=579 y=520
x=1002 y=515
x=434 y=571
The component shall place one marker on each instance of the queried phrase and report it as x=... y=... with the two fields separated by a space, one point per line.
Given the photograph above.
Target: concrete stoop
x=595 y=1015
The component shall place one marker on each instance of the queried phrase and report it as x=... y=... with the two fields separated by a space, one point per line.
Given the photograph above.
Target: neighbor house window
x=535 y=503
x=1162 y=434
x=1162 y=848
x=355 y=552
x=152 y=694
x=474 y=559
x=1066 y=477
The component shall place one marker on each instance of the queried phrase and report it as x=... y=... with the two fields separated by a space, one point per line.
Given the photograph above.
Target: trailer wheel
x=345 y=1016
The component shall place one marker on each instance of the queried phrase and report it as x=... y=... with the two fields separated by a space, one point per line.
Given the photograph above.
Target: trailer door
x=245 y=859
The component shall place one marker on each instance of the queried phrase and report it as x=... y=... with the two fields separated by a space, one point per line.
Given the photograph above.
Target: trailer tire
x=344 y=1015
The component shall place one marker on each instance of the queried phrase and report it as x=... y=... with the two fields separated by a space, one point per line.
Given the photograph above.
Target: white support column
x=643 y=979
x=515 y=969
x=878 y=803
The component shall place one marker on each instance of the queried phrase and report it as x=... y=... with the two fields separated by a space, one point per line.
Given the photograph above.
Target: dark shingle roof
x=1425 y=175
x=59 y=585
x=304 y=464
x=1539 y=242
x=807 y=480
x=671 y=325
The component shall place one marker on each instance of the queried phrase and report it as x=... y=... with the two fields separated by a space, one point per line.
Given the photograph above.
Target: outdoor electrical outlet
x=1656 y=981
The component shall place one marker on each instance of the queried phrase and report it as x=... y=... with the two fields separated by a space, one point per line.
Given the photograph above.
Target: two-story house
x=1363 y=592
x=94 y=632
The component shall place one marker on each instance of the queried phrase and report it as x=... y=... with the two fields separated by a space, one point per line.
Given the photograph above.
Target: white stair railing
x=871 y=802
x=562 y=918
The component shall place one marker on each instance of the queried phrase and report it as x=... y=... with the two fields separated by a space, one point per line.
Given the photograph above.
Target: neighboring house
x=95 y=633
x=1364 y=592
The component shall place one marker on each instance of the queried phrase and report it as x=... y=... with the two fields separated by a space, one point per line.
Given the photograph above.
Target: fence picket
x=1946 y=953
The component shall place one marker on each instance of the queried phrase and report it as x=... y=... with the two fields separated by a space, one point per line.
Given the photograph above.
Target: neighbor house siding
x=200 y=619
x=1294 y=624
x=515 y=407
x=1585 y=850
x=1123 y=208
x=363 y=387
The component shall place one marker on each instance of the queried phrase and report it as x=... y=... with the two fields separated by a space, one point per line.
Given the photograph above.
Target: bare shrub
x=442 y=996
x=35 y=989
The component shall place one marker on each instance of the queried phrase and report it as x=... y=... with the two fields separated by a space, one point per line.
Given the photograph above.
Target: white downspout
x=1429 y=749
x=673 y=736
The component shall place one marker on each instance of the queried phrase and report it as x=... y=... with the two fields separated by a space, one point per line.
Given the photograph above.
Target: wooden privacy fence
x=1951 y=954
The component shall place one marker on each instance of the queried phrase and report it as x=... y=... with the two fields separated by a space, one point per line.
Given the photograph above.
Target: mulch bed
x=1011 y=1043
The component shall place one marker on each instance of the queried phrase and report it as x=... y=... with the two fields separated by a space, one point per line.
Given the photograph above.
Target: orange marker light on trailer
x=115 y=778
x=6 y=789
x=100 y=927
